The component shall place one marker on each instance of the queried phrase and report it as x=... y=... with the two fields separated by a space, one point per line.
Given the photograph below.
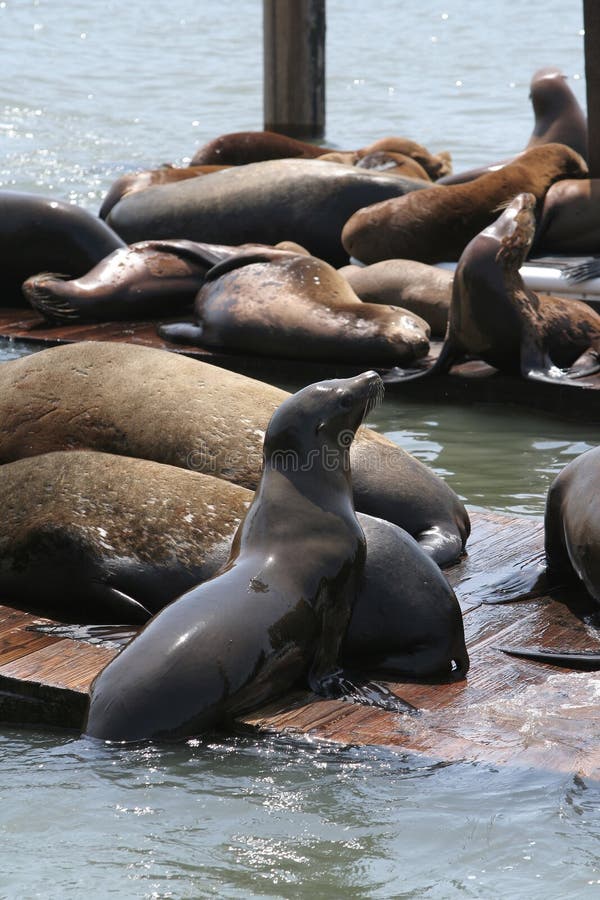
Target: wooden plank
x=508 y=711
x=294 y=67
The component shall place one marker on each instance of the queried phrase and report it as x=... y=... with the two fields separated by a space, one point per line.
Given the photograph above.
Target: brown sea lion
x=380 y=161
x=276 y=614
x=424 y=290
x=137 y=401
x=98 y=538
x=40 y=233
x=495 y=317
x=559 y=119
x=140 y=181
x=436 y=165
x=278 y=303
x=242 y=147
x=570 y=219
x=301 y=200
x=435 y=225
x=143 y=280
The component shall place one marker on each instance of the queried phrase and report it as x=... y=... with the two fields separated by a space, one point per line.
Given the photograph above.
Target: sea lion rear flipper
x=586 y=660
x=338 y=685
x=181 y=333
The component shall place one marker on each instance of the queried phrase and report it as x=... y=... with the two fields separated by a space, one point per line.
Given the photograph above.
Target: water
x=89 y=91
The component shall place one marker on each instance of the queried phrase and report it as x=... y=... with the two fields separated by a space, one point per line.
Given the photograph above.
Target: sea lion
x=147 y=403
x=140 y=181
x=40 y=233
x=435 y=225
x=495 y=317
x=113 y=540
x=301 y=200
x=242 y=147
x=273 y=616
x=572 y=523
x=392 y=164
x=436 y=165
x=99 y=538
x=143 y=280
x=422 y=289
x=570 y=219
x=279 y=303
x=559 y=119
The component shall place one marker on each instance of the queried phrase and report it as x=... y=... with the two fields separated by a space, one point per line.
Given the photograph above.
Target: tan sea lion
x=279 y=303
x=435 y=225
x=424 y=290
x=495 y=317
x=146 y=403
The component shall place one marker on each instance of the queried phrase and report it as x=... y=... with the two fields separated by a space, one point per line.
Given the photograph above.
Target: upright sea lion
x=97 y=538
x=140 y=181
x=137 y=401
x=424 y=290
x=559 y=119
x=40 y=233
x=278 y=610
x=280 y=303
x=301 y=200
x=495 y=317
x=572 y=523
x=570 y=218
x=435 y=225
x=143 y=280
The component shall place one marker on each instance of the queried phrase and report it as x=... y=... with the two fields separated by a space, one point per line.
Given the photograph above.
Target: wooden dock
x=472 y=382
x=507 y=712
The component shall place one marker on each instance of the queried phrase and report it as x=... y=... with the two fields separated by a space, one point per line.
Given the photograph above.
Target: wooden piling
x=591 y=19
x=294 y=67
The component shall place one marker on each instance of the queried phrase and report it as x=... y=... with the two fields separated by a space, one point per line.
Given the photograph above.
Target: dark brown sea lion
x=242 y=147
x=435 y=225
x=559 y=119
x=40 y=233
x=422 y=289
x=572 y=523
x=278 y=303
x=495 y=317
x=570 y=218
x=140 y=181
x=99 y=538
x=301 y=200
x=277 y=612
x=147 y=403
x=144 y=280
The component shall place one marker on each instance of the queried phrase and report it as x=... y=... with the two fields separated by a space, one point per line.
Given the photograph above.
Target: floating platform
x=508 y=711
x=472 y=382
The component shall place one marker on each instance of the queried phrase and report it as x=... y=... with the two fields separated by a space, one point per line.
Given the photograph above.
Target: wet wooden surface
x=472 y=382
x=508 y=711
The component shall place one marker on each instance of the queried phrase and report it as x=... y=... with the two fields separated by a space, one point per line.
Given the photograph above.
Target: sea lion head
x=515 y=230
x=318 y=423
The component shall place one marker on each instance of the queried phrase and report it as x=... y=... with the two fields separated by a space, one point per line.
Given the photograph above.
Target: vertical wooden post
x=294 y=67
x=591 y=23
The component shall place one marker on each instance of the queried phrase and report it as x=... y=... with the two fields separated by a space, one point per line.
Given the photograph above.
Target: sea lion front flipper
x=449 y=355
x=442 y=543
x=117 y=607
x=181 y=333
x=339 y=686
x=586 y=364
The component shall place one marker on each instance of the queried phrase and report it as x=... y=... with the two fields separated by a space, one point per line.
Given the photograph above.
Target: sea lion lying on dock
x=132 y=182
x=435 y=225
x=422 y=289
x=278 y=303
x=137 y=401
x=97 y=538
x=569 y=222
x=301 y=200
x=276 y=613
x=496 y=318
x=39 y=233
